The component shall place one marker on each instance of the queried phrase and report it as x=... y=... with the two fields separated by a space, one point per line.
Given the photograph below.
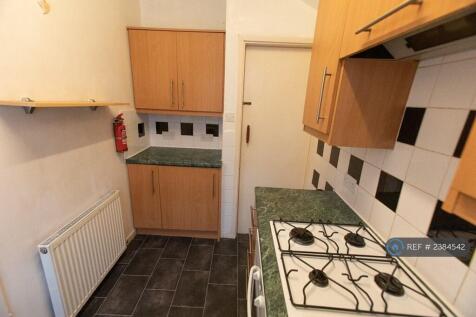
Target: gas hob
x=329 y=269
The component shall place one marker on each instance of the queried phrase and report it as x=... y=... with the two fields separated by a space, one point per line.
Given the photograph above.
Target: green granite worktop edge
x=291 y=204
x=170 y=156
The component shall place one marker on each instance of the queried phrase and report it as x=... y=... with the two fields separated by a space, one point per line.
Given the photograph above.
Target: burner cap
x=301 y=236
x=318 y=278
x=355 y=240
x=390 y=284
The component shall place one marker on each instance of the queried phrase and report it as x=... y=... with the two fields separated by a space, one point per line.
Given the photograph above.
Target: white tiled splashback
x=173 y=137
x=446 y=88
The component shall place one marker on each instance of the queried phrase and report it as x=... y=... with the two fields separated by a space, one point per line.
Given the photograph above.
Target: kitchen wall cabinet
x=144 y=189
x=352 y=102
x=412 y=15
x=461 y=198
x=172 y=200
x=177 y=72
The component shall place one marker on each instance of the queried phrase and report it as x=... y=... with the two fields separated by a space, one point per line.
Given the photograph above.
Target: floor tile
x=242 y=253
x=242 y=308
x=242 y=270
x=155 y=242
x=226 y=246
x=124 y=296
x=110 y=280
x=185 y=312
x=166 y=275
x=224 y=269
x=133 y=246
x=154 y=303
x=221 y=301
x=91 y=307
x=191 y=289
x=177 y=248
x=144 y=262
x=199 y=258
x=203 y=241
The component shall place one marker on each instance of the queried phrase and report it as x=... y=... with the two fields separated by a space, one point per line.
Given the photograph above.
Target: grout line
x=180 y=276
x=208 y=282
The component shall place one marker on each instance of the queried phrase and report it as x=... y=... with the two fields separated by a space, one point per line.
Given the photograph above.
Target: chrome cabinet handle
x=183 y=94
x=172 y=95
x=321 y=97
x=404 y=4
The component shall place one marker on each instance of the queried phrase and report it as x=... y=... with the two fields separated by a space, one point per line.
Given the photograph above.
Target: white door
x=275 y=152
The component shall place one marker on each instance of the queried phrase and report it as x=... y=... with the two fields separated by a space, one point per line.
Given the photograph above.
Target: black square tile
x=199 y=258
x=212 y=129
x=328 y=187
x=166 y=274
x=154 y=303
x=155 y=242
x=221 y=301
x=242 y=280
x=191 y=289
x=186 y=128
x=334 y=159
x=464 y=134
x=446 y=225
x=388 y=190
x=177 y=247
x=141 y=129
x=203 y=241
x=320 y=148
x=226 y=246
x=185 y=312
x=411 y=125
x=242 y=253
x=124 y=296
x=131 y=250
x=144 y=262
x=91 y=307
x=224 y=269
x=355 y=168
x=110 y=280
x=161 y=127
x=315 y=179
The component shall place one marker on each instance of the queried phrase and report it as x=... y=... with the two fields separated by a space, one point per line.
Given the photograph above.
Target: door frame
x=245 y=41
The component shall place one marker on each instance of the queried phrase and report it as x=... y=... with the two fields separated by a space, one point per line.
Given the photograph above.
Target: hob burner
x=318 y=278
x=355 y=240
x=390 y=284
x=301 y=236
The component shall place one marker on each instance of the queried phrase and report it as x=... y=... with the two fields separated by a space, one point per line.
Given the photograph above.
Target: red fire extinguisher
x=120 y=134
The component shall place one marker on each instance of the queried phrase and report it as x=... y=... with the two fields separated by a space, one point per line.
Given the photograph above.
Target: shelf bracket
x=28 y=109
x=93 y=108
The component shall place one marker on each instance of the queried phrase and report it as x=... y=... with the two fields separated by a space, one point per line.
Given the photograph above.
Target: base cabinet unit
x=173 y=200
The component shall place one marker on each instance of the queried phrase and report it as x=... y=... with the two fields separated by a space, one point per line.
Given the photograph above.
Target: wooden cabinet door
x=154 y=69
x=407 y=19
x=323 y=70
x=201 y=71
x=144 y=189
x=189 y=198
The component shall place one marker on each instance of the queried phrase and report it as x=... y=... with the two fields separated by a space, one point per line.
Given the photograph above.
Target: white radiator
x=78 y=256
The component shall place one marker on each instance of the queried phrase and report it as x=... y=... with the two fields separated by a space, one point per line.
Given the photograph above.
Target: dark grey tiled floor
x=175 y=277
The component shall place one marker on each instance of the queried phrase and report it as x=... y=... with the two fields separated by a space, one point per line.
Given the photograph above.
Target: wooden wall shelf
x=30 y=105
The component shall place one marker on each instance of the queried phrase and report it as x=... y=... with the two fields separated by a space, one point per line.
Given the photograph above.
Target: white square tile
x=416 y=207
x=228 y=182
x=465 y=298
x=448 y=180
x=427 y=170
x=455 y=87
x=440 y=129
x=375 y=157
x=396 y=161
x=467 y=54
x=430 y=61
x=338 y=181
x=433 y=269
x=363 y=204
x=403 y=229
x=327 y=152
x=369 y=178
x=343 y=163
x=358 y=151
x=348 y=189
x=381 y=219
x=422 y=86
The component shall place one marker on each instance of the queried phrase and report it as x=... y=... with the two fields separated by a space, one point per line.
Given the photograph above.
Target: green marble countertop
x=177 y=157
x=291 y=204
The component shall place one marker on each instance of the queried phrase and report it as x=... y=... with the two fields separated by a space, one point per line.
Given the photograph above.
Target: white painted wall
x=186 y=14
x=55 y=163
x=258 y=19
